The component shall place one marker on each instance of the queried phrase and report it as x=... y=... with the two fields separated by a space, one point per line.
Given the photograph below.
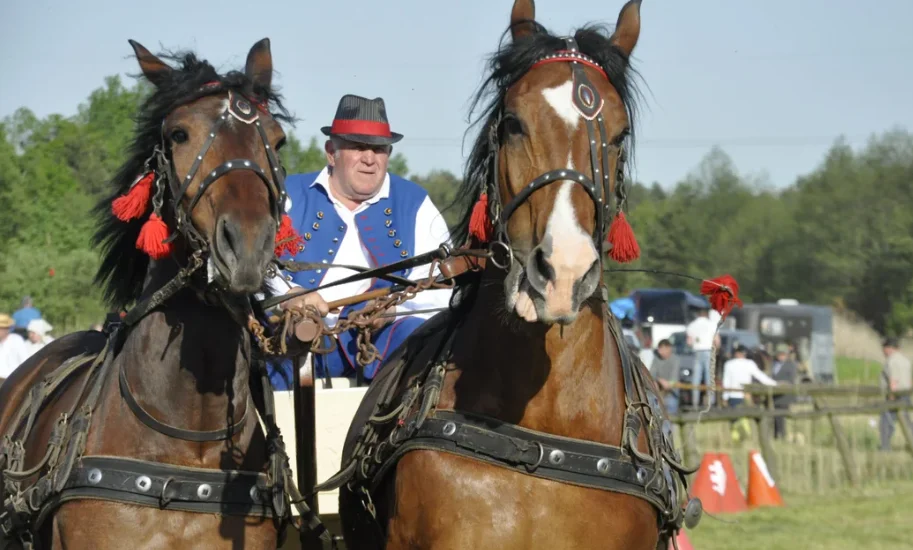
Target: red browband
x=567 y=55
x=363 y=127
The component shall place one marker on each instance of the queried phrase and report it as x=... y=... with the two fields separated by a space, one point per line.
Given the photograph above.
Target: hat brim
x=364 y=138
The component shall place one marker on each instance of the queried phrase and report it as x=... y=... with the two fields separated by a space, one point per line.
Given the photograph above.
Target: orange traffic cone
x=717 y=486
x=762 y=491
x=682 y=541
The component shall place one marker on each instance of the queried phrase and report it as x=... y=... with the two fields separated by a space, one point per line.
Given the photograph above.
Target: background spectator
x=13 y=350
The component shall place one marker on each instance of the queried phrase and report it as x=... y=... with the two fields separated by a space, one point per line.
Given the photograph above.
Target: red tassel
x=135 y=202
x=287 y=239
x=152 y=236
x=621 y=237
x=479 y=223
x=722 y=293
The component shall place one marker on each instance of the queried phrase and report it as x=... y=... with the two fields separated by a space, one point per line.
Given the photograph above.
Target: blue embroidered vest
x=386 y=229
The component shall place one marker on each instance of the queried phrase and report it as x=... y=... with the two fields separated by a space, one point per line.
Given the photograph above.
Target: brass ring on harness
x=535 y=466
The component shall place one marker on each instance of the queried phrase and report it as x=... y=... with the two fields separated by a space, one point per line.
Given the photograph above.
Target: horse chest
x=438 y=495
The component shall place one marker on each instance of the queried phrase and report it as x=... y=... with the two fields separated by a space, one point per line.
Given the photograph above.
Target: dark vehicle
x=664 y=311
x=808 y=328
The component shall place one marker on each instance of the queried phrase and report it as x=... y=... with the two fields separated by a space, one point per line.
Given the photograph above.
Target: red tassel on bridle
x=722 y=292
x=621 y=237
x=287 y=239
x=134 y=203
x=480 y=226
x=151 y=239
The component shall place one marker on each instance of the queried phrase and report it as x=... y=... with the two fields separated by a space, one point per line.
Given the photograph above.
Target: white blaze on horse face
x=560 y=99
x=572 y=252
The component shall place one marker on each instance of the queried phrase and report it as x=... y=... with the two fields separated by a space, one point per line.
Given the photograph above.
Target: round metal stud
x=602 y=466
x=143 y=483
x=213 y=173
x=199 y=157
x=95 y=476
x=246 y=163
x=641 y=475
x=267 y=145
x=212 y=134
x=228 y=164
x=204 y=490
x=563 y=173
x=449 y=428
x=556 y=457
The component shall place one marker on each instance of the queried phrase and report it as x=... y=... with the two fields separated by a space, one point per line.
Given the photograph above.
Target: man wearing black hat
x=353 y=212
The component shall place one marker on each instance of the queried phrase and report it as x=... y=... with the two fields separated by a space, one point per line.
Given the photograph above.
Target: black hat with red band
x=362 y=120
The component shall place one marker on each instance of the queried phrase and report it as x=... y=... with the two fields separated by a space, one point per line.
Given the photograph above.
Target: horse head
x=203 y=183
x=549 y=169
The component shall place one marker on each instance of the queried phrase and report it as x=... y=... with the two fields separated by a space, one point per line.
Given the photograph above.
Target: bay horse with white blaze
x=148 y=435
x=519 y=419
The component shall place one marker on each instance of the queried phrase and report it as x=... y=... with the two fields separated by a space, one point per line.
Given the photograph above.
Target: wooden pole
x=305 y=443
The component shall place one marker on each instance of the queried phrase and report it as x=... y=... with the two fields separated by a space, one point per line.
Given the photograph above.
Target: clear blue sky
x=773 y=82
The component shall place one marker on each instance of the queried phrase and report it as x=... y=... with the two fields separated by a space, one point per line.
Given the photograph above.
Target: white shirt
x=13 y=351
x=701 y=330
x=430 y=231
x=739 y=371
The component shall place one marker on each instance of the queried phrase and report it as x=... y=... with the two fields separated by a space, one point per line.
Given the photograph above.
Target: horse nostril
x=227 y=238
x=543 y=266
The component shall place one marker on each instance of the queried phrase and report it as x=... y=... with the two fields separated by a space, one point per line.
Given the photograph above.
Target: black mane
x=507 y=66
x=123 y=267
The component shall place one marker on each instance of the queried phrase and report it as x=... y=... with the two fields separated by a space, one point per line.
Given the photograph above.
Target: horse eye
x=280 y=145
x=178 y=135
x=511 y=126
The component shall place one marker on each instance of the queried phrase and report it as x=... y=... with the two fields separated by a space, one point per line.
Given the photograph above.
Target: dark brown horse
x=547 y=432
x=169 y=452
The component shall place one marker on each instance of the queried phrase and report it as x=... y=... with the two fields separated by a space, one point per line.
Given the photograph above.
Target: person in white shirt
x=739 y=371
x=13 y=350
x=701 y=335
x=353 y=212
x=38 y=336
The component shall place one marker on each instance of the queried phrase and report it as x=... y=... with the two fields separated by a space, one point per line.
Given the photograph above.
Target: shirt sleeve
x=763 y=378
x=430 y=232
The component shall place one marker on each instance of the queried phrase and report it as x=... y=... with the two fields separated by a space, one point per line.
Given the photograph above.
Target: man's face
x=358 y=169
x=664 y=351
x=781 y=356
x=4 y=332
x=888 y=350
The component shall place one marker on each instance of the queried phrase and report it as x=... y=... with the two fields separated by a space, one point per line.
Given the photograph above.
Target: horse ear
x=259 y=66
x=155 y=69
x=521 y=19
x=627 y=29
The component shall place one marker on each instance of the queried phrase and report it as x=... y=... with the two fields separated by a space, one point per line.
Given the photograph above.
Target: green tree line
x=841 y=235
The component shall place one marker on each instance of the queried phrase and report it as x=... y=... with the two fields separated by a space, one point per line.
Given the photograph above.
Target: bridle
x=241 y=109
x=588 y=103
x=246 y=111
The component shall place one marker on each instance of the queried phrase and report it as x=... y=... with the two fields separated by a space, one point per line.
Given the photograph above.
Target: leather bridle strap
x=171 y=431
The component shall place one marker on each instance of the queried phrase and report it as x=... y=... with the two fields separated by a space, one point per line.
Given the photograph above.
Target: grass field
x=874 y=519
x=857 y=371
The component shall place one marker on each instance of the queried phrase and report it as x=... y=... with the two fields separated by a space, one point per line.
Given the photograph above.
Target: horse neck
x=564 y=380
x=188 y=363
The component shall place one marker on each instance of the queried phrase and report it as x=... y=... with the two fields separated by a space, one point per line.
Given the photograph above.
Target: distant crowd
x=21 y=335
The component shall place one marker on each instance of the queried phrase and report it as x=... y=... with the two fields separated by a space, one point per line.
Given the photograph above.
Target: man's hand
x=310 y=299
